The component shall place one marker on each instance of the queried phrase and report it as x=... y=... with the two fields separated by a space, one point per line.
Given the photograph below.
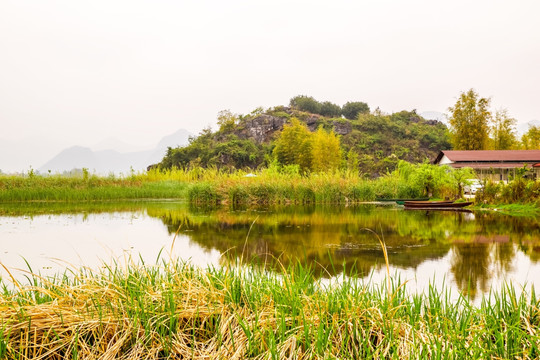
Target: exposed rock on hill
x=261 y=128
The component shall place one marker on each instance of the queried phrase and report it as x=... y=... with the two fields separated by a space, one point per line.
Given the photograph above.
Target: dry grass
x=175 y=311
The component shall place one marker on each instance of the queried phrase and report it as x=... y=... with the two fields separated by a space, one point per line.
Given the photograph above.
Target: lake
x=470 y=252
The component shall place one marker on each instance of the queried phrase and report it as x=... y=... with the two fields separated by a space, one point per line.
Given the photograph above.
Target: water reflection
x=481 y=246
x=470 y=249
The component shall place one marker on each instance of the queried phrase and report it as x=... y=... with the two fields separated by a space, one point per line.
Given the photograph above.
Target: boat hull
x=436 y=206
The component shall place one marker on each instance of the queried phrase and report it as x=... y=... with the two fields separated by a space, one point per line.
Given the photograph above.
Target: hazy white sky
x=76 y=72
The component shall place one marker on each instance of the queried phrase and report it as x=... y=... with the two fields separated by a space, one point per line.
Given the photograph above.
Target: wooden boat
x=435 y=202
x=423 y=202
x=436 y=205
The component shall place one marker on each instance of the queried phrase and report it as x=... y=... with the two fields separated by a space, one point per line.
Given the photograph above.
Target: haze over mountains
x=112 y=156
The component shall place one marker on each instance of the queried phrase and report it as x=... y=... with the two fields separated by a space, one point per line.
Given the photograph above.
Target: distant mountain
x=112 y=161
x=113 y=143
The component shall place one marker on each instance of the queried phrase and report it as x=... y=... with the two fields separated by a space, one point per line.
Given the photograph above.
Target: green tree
x=429 y=178
x=470 y=121
x=226 y=120
x=326 y=151
x=531 y=139
x=460 y=178
x=305 y=103
x=294 y=145
x=330 y=109
x=351 y=110
x=503 y=131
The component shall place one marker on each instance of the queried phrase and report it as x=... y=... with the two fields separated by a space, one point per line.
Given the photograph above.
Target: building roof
x=490 y=156
x=498 y=165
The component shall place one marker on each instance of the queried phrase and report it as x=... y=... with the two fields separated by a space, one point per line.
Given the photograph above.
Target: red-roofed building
x=497 y=165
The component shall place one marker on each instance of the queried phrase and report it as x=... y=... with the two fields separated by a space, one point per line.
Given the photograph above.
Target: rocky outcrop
x=312 y=121
x=342 y=127
x=433 y=122
x=261 y=128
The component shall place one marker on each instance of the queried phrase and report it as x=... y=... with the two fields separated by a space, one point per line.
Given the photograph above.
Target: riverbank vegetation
x=86 y=187
x=277 y=184
x=522 y=190
x=177 y=311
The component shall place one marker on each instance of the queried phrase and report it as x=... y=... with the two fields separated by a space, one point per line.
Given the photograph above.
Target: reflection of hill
x=480 y=246
x=335 y=238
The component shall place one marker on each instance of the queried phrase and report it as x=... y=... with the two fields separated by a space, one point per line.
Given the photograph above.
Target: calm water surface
x=470 y=252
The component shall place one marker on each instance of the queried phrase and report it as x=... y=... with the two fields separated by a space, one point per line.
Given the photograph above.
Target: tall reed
x=174 y=310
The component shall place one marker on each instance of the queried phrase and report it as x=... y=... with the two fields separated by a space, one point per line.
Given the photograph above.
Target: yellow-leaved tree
x=531 y=139
x=469 y=122
x=294 y=145
x=503 y=131
x=326 y=151
x=319 y=151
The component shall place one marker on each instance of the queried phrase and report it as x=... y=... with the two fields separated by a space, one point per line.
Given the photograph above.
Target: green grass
x=59 y=188
x=174 y=310
x=527 y=210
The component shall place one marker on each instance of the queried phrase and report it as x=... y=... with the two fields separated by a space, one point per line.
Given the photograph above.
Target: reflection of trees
x=474 y=264
x=533 y=251
x=335 y=239
x=503 y=255
x=484 y=243
x=470 y=266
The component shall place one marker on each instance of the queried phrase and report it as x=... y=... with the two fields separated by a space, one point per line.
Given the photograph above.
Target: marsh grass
x=205 y=186
x=73 y=188
x=175 y=310
x=525 y=210
x=212 y=186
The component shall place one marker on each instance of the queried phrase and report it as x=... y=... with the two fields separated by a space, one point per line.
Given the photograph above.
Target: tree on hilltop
x=305 y=103
x=351 y=110
x=227 y=120
x=330 y=109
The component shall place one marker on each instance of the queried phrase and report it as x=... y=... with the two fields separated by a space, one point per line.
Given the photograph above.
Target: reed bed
x=86 y=188
x=175 y=311
x=273 y=185
x=207 y=186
